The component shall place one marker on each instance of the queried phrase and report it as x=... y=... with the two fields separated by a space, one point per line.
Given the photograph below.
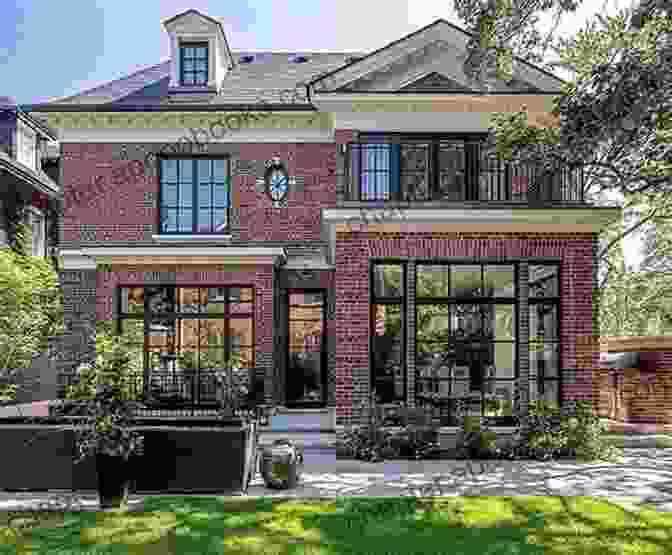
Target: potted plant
x=106 y=434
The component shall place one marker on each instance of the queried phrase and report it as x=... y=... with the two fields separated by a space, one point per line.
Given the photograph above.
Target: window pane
x=544 y=359
x=415 y=170
x=188 y=51
x=505 y=321
x=169 y=195
x=221 y=195
x=432 y=281
x=241 y=331
x=214 y=300
x=200 y=78
x=465 y=281
x=499 y=281
x=543 y=322
x=169 y=170
x=387 y=280
x=387 y=351
x=505 y=360
x=189 y=79
x=132 y=300
x=187 y=65
x=201 y=65
x=186 y=221
x=201 y=52
x=219 y=170
x=204 y=220
x=204 y=171
x=161 y=299
x=451 y=171
x=188 y=298
x=188 y=329
x=221 y=221
x=204 y=195
x=543 y=280
x=432 y=324
x=186 y=194
x=212 y=333
x=169 y=220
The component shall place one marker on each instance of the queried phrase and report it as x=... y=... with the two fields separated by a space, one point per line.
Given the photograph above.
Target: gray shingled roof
x=265 y=78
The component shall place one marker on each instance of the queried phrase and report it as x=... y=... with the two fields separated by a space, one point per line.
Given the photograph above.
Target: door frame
x=322 y=403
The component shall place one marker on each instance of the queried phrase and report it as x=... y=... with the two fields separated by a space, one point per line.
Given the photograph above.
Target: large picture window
x=466 y=338
x=388 y=339
x=187 y=335
x=195 y=195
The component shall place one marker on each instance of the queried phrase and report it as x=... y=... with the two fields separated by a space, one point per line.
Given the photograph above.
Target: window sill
x=191 y=237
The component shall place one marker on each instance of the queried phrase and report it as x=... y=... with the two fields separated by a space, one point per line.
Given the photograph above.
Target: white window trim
x=21 y=131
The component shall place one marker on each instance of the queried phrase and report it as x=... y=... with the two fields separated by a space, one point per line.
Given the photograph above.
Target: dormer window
x=194 y=63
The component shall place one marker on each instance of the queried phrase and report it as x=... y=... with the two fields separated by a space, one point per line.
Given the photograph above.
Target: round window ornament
x=277 y=181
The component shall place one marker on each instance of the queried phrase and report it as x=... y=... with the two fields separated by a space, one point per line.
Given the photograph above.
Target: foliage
x=614 y=119
x=373 y=444
x=31 y=312
x=107 y=426
x=577 y=433
x=117 y=358
x=475 y=440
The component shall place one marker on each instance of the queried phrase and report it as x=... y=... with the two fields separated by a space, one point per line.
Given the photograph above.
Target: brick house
x=333 y=221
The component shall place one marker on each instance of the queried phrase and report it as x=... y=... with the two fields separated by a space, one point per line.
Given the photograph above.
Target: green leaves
x=31 y=309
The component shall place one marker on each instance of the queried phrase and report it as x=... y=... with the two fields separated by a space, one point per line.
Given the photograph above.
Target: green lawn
x=455 y=525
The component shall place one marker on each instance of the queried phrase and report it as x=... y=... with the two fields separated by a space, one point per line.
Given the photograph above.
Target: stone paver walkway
x=644 y=476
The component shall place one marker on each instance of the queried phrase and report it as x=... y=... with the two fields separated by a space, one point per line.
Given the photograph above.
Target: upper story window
x=194 y=63
x=195 y=195
x=26 y=151
x=448 y=168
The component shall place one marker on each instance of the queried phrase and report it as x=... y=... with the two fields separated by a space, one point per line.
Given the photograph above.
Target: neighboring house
x=482 y=283
x=29 y=169
x=29 y=166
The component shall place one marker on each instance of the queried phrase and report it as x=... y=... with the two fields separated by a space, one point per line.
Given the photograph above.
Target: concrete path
x=643 y=476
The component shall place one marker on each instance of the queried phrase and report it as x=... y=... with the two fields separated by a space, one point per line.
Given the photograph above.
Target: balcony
x=437 y=172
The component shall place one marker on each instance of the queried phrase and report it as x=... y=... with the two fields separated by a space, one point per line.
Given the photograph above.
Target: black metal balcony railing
x=453 y=172
x=172 y=391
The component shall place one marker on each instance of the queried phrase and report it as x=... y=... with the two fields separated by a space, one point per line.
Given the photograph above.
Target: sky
x=53 y=49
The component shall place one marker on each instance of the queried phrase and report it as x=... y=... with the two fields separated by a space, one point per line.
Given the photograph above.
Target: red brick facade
x=353 y=251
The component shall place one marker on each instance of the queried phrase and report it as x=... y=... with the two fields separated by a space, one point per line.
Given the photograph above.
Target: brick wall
x=353 y=251
x=125 y=209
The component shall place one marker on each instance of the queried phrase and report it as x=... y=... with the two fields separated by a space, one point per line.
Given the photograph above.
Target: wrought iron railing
x=412 y=172
x=176 y=393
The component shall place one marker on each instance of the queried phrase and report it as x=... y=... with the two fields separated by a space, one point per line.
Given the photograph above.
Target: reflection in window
x=191 y=332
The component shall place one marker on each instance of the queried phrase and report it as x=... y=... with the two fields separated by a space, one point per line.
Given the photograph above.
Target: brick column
x=523 y=381
x=410 y=334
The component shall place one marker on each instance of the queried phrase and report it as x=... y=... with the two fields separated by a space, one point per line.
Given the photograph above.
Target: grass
x=403 y=525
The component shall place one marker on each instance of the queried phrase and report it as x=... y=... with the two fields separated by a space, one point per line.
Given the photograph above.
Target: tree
x=614 y=119
x=31 y=312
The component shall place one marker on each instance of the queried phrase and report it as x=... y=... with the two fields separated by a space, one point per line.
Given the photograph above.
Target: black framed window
x=194 y=63
x=186 y=335
x=388 y=315
x=544 y=341
x=466 y=338
x=195 y=195
x=449 y=167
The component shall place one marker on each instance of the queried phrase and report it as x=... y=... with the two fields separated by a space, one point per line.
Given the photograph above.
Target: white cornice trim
x=172 y=136
x=87 y=258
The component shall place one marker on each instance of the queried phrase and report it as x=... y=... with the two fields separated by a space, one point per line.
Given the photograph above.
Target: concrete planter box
x=193 y=458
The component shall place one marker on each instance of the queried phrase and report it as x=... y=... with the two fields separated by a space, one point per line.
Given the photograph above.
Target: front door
x=305 y=363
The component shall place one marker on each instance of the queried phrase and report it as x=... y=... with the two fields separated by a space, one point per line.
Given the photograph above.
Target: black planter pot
x=113 y=481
